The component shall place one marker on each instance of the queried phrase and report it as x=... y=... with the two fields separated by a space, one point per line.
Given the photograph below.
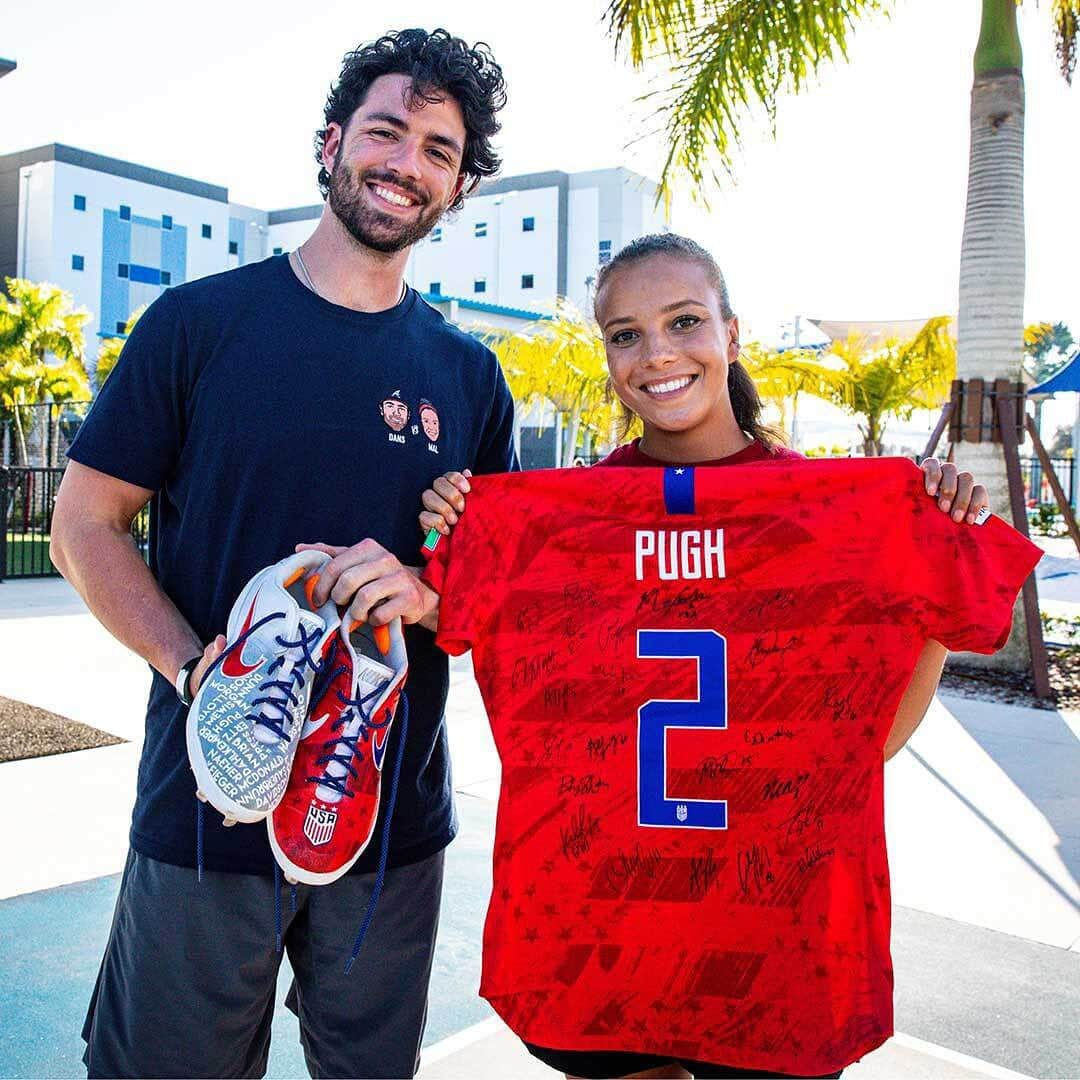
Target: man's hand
x=210 y=654
x=957 y=493
x=373 y=584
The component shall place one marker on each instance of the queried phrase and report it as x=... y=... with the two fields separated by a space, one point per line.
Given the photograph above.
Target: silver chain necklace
x=311 y=284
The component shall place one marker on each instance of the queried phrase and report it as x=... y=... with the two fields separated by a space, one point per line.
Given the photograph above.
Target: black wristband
x=183 y=680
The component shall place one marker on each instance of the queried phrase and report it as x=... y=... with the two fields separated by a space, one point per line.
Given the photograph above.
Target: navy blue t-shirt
x=264 y=416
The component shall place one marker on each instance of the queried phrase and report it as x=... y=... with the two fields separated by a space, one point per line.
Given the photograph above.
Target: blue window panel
x=480 y=229
x=237 y=230
x=125 y=213
x=174 y=254
x=528 y=224
x=147 y=275
x=480 y=285
x=277 y=251
x=121 y=327
x=436 y=235
x=234 y=248
x=166 y=277
x=77 y=262
x=122 y=270
x=526 y=281
x=115 y=306
x=80 y=202
x=166 y=221
x=207 y=232
x=435 y=288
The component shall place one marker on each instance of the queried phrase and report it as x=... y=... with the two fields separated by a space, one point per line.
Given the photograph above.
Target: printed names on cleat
x=247 y=771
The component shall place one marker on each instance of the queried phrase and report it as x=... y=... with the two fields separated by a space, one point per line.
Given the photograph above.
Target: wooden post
x=1007 y=423
x=1055 y=483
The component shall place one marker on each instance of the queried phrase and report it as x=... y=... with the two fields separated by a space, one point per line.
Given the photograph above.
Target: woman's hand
x=444 y=501
x=957 y=493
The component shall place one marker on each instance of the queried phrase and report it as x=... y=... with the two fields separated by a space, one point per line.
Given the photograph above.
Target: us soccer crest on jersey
x=690 y=675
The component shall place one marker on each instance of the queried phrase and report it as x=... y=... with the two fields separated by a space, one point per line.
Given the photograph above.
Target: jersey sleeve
x=966 y=577
x=468 y=572
x=135 y=429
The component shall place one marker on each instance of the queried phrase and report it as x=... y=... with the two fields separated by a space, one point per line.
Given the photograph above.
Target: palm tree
x=559 y=360
x=729 y=57
x=111 y=348
x=41 y=352
x=873 y=382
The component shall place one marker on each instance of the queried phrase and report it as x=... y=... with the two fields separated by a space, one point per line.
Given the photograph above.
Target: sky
x=854 y=210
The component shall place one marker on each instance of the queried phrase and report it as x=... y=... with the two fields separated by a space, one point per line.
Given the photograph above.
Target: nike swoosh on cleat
x=378 y=745
x=233 y=665
x=313 y=725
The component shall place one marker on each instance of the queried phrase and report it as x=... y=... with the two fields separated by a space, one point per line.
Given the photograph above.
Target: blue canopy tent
x=1068 y=378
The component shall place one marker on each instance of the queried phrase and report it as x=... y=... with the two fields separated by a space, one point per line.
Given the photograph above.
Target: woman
x=672 y=345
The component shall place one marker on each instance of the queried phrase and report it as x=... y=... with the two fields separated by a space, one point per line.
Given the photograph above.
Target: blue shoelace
x=384 y=854
x=354 y=707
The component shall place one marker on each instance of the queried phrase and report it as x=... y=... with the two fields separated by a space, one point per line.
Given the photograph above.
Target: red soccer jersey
x=690 y=675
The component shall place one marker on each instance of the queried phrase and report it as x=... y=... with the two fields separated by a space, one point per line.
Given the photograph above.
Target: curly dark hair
x=438 y=65
x=745 y=400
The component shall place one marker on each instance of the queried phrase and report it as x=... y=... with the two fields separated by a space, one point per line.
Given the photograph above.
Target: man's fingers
x=366 y=552
x=210 y=654
x=931 y=468
x=326 y=549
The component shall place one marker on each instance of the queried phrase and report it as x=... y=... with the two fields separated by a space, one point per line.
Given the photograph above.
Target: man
x=252 y=407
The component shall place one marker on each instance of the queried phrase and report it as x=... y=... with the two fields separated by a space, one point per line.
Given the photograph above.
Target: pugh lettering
x=679 y=554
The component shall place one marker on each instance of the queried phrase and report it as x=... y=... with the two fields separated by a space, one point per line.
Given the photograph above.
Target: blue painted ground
x=51 y=944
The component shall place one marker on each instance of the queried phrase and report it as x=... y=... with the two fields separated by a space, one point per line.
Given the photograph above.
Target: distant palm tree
x=41 y=352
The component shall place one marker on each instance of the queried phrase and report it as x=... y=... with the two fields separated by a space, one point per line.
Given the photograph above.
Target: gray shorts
x=186 y=986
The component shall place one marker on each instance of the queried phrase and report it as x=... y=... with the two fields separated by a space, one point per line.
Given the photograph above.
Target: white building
x=523 y=240
x=115 y=234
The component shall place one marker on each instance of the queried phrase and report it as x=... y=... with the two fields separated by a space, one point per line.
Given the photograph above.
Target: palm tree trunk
x=991 y=317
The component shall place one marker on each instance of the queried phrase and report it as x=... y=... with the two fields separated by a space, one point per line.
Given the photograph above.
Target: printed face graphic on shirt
x=429 y=419
x=395 y=412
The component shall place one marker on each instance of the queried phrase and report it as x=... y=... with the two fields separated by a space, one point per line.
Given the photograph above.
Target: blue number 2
x=706 y=712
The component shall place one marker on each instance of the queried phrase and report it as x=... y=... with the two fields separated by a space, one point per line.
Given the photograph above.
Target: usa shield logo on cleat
x=319 y=824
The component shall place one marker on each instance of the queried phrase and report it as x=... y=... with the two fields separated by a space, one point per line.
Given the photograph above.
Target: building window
x=234 y=247
x=526 y=281
x=166 y=221
x=435 y=288
x=166 y=277
x=121 y=327
x=125 y=213
x=80 y=202
x=480 y=229
x=436 y=235
x=479 y=285
x=76 y=262
x=207 y=232
x=605 y=252
x=528 y=224
x=277 y=251
x=122 y=270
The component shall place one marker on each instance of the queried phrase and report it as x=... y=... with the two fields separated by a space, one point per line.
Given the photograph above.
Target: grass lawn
x=27 y=554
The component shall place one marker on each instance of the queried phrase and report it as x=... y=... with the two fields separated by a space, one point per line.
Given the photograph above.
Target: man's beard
x=368 y=226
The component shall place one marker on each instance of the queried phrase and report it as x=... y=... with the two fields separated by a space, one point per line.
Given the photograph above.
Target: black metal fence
x=27 y=497
x=1037 y=485
x=38 y=436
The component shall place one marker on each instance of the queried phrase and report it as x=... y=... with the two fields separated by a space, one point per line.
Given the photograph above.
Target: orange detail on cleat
x=354 y=624
x=381 y=635
x=294 y=578
x=309 y=590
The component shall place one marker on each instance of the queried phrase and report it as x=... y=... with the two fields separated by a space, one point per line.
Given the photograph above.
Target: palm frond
x=729 y=58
